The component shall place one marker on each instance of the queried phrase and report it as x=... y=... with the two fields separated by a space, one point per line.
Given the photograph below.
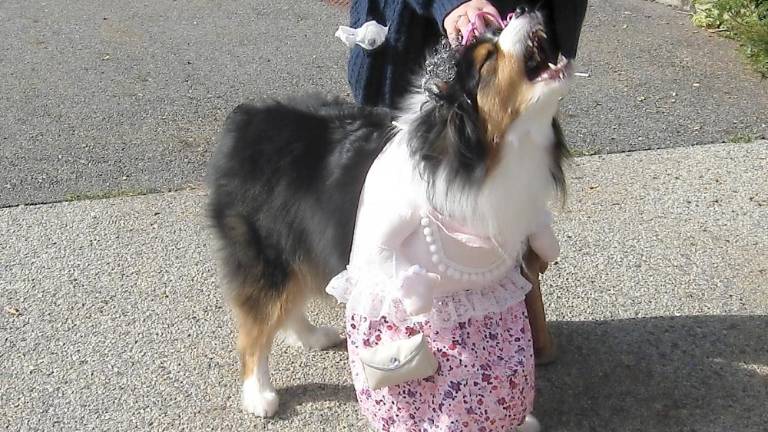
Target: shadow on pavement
x=296 y=395
x=687 y=373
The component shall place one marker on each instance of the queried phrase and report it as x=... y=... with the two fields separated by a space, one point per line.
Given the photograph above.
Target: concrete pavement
x=104 y=97
x=113 y=319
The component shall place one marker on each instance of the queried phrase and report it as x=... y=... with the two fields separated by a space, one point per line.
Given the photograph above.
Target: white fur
x=512 y=199
x=259 y=396
x=298 y=331
x=512 y=39
x=530 y=424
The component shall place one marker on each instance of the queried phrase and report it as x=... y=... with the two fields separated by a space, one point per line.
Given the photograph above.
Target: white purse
x=399 y=361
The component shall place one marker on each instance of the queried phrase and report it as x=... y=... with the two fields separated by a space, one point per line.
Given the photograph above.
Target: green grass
x=743 y=138
x=85 y=196
x=745 y=21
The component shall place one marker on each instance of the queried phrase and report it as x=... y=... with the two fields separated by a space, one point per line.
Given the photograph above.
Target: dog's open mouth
x=542 y=62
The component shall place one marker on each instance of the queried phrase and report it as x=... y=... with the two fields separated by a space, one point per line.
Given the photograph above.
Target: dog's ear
x=436 y=89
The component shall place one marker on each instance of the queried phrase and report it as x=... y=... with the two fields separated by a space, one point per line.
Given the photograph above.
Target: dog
x=286 y=179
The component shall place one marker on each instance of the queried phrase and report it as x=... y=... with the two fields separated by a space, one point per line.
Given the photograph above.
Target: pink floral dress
x=485 y=377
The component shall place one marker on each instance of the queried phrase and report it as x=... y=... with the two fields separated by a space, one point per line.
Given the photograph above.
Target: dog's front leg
x=543 y=344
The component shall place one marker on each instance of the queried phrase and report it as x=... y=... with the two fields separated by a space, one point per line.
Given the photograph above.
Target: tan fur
x=260 y=314
x=502 y=93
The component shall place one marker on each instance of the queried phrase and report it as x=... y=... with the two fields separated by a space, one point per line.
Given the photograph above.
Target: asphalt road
x=104 y=95
x=104 y=98
x=112 y=317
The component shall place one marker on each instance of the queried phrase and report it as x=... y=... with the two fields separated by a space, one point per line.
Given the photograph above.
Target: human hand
x=457 y=23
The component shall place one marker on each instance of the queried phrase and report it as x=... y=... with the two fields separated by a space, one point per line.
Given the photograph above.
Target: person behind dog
x=382 y=75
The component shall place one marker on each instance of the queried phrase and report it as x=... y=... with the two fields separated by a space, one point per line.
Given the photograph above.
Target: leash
x=474 y=29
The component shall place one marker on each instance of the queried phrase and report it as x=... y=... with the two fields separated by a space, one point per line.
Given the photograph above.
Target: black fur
x=286 y=177
x=560 y=154
x=285 y=182
x=447 y=133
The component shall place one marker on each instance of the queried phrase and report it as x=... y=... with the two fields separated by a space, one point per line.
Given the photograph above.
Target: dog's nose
x=520 y=11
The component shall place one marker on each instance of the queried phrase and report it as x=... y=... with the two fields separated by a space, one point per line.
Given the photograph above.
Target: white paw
x=312 y=338
x=289 y=338
x=530 y=424
x=261 y=402
x=322 y=338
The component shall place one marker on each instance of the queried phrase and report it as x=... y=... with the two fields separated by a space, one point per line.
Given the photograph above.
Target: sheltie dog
x=286 y=178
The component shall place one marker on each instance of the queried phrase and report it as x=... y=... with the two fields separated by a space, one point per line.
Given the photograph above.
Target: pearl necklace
x=455 y=271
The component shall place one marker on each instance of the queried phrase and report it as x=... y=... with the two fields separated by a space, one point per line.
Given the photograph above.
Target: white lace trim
x=370 y=294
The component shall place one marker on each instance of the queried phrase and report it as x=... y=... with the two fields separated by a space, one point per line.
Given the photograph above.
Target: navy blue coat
x=382 y=76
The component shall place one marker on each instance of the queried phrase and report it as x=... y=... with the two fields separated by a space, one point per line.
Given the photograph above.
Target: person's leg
x=568 y=17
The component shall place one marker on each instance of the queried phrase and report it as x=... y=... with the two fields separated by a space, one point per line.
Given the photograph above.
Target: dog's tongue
x=558 y=71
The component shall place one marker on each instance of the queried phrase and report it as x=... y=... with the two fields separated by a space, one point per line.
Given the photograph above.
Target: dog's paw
x=322 y=338
x=258 y=401
x=310 y=337
x=530 y=424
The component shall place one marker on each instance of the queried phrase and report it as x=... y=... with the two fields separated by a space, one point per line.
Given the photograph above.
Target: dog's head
x=477 y=96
